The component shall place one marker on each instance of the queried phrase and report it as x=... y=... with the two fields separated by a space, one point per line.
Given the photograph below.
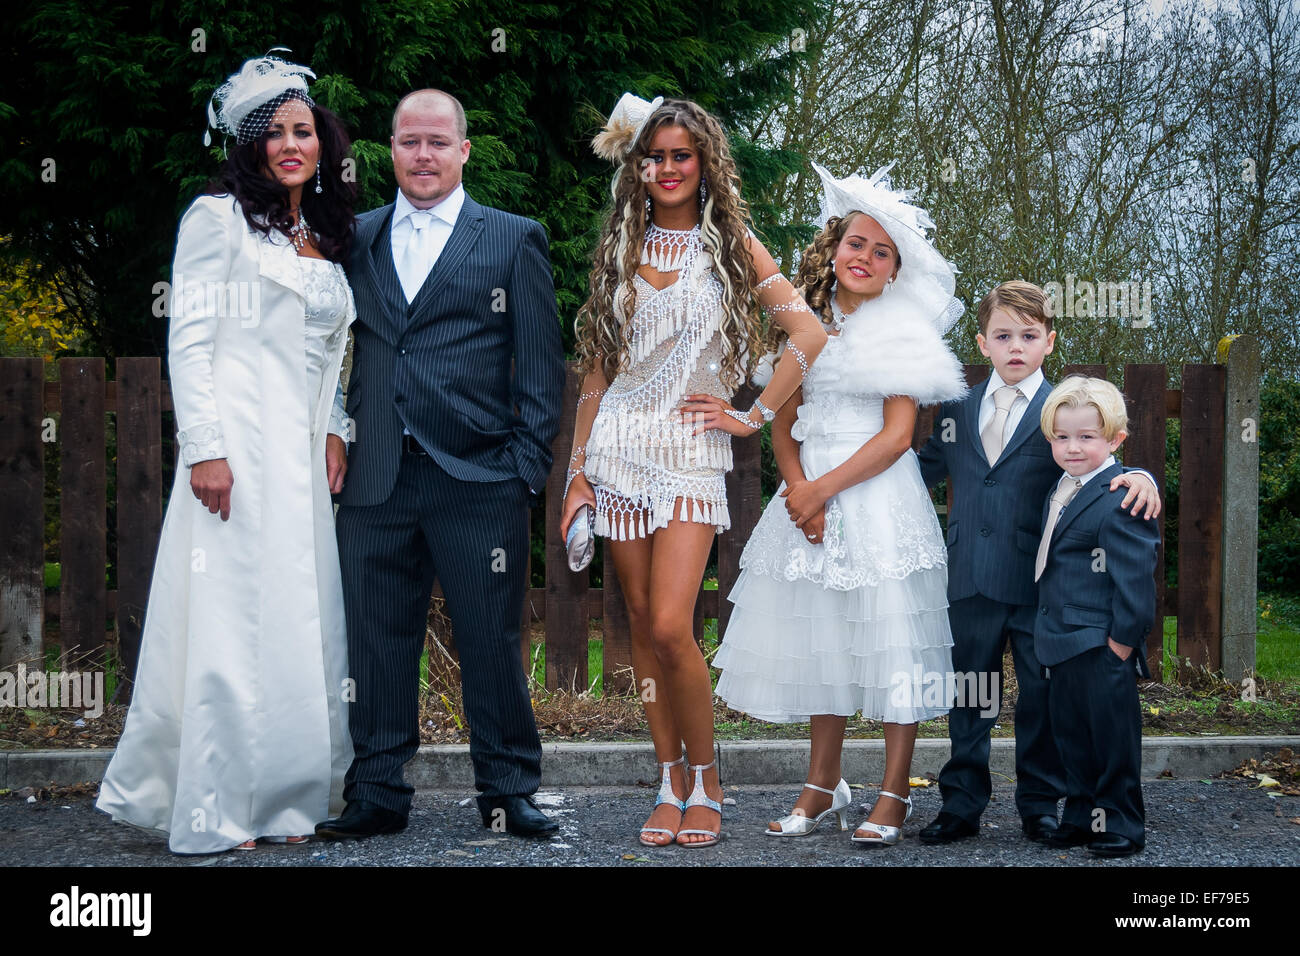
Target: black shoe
x=948 y=828
x=1040 y=829
x=361 y=819
x=515 y=814
x=1068 y=835
x=1112 y=844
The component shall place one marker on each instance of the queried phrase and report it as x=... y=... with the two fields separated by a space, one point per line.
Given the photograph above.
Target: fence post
x=139 y=503
x=1240 y=353
x=1144 y=391
x=1200 y=517
x=567 y=618
x=83 y=546
x=22 y=510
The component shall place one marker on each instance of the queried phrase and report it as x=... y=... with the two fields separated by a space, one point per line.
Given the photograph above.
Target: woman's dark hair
x=266 y=202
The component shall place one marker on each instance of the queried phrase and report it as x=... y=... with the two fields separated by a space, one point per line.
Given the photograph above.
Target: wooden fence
x=75 y=412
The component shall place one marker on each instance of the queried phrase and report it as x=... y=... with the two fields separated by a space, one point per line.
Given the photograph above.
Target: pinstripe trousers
x=473 y=537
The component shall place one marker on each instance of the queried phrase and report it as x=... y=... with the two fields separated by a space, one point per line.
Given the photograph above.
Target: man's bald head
x=434 y=99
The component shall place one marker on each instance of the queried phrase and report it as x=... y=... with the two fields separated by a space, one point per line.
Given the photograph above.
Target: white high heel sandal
x=699 y=798
x=797 y=824
x=666 y=795
x=888 y=835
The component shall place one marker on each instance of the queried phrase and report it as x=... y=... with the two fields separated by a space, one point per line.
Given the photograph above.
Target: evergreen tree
x=103 y=115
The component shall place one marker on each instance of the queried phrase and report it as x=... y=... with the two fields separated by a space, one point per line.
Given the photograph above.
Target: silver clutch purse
x=581 y=540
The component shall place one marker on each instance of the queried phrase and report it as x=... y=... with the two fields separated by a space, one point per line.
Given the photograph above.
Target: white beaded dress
x=859 y=621
x=640 y=456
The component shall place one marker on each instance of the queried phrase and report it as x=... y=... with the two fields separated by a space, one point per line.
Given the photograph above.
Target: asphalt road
x=1189 y=823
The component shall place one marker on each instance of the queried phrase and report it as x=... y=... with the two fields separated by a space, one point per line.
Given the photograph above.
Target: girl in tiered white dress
x=841 y=603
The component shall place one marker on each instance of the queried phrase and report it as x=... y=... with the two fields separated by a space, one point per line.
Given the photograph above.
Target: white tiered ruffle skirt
x=857 y=623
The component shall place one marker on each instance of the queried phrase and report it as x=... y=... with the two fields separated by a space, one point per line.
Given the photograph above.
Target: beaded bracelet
x=742 y=417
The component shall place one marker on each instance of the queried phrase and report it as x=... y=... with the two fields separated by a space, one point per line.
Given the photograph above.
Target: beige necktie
x=417 y=258
x=1003 y=399
x=1065 y=491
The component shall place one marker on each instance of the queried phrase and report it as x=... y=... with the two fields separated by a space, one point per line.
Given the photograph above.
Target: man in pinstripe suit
x=441 y=469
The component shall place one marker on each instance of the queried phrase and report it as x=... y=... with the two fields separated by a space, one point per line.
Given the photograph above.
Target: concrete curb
x=447 y=766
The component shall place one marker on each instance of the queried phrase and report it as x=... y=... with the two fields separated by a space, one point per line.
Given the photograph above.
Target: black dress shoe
x=948 y=828
x=361 y=819
x=1040 y=829
x=515 y=814
x=1068 y=835
x=1112 y=844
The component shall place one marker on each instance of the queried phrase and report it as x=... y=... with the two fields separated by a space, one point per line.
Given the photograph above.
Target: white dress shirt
x=1028 y=389
x=1028 y=386
x=1084 y=479
x=444 y=213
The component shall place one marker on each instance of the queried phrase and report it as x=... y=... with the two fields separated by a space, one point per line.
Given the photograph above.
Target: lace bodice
x=325 y=291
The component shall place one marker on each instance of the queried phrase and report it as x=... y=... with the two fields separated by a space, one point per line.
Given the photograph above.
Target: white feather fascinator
x=242 y=105
x=623 y=127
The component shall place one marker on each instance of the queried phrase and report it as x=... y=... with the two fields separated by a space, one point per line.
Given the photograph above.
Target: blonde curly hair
x=724 y=234
x=816 y=276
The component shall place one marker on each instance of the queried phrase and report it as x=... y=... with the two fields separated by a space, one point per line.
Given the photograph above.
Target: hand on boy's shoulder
x=1142 y=493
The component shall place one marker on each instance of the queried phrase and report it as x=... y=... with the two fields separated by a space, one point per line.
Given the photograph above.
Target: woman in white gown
x=237 y=728
x=841 y=603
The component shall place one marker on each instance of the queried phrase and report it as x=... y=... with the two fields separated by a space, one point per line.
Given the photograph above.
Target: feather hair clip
x=623 y=127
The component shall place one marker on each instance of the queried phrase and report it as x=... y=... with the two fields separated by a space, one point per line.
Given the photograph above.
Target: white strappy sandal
x=797 y=824
x=666 y=795
x=888 y=835
x=699 y=798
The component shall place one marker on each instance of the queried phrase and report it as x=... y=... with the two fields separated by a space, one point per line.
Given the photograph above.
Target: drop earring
x=319 y=190
x=704 y=192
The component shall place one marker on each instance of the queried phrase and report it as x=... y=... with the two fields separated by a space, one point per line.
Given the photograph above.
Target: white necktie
x=1065 y=492
x=417 y=259
x=991 y=436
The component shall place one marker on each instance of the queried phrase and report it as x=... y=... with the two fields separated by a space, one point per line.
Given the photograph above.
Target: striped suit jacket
x=996 y=518
x=1099 y=580
x=441 y=366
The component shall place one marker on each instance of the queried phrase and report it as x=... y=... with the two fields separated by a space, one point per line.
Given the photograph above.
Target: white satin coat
x=238 y=725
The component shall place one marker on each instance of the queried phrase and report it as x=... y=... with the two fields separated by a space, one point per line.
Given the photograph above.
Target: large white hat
x=924 y=275
x=243 y=104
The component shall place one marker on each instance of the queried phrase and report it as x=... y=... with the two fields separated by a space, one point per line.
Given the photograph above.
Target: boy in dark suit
x=1097 y=600
x=988 y=445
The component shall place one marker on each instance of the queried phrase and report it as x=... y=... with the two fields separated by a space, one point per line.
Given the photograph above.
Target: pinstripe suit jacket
x=1099 y=580
x=996 y=518
x=441 y=366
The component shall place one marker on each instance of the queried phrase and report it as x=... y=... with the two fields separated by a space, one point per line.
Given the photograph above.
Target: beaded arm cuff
x=574 y=472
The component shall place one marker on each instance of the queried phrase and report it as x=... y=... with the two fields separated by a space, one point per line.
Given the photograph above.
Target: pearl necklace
x=299 y=230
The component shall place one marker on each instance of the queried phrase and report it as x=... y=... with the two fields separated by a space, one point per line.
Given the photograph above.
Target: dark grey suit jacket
x=441 y=366
x=996 y=518
x=1099 y=580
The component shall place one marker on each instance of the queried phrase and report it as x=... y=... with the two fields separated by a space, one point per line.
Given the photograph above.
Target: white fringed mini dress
x=640 y=456
x=859 y=621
